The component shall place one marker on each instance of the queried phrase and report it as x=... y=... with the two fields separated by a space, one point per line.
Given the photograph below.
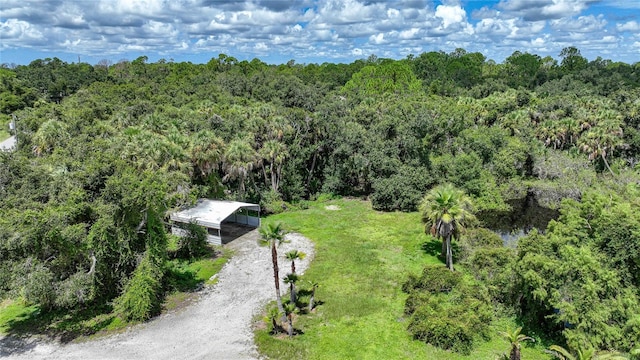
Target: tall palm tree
x=516 y=339
x=291 y=280
x=273 y=154
x=447 y=210
x=273 y=234
x=586 y=353
x=294 y=255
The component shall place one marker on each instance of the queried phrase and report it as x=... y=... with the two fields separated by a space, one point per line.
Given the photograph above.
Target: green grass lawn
x=362 y=259
x=4 y=135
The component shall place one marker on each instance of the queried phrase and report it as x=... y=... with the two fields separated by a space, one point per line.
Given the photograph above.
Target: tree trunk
x=443 y=251
x=274 y=260
x=515 y=353
x=449 y=261
x=606 y=164
x=313 y=165
x=290 y=319
x=312 y=299
x=293 y=295
x=293 y=266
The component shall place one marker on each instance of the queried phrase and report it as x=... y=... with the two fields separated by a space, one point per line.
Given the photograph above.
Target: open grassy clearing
x=362 y=258
x=184 y=277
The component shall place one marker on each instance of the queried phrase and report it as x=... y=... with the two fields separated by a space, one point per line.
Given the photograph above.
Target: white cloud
x=317 y=29
x=377 y=39
x=632 y=26
x=450 y=14
x=17 y=31
x=583 y=24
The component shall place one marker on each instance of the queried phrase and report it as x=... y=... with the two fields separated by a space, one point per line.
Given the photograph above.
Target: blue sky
x=313 y=31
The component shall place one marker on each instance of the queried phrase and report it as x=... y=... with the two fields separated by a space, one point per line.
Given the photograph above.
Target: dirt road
x=217 y=326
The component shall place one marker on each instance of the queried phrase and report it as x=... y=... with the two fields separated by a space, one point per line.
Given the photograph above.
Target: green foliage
x=103 y=152
x=271 y=202
x=141 y=297
x=446 y=311
x=193 y=243
x=568 y=279
x=401 y=191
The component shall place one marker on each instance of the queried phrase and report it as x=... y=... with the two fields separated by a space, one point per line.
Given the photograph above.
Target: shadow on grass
x=23 y=334
x=433 y=247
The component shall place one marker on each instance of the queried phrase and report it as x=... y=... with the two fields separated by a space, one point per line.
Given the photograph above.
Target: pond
x=526 y=214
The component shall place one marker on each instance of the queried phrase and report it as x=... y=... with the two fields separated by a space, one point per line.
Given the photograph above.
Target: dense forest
x=105 y=151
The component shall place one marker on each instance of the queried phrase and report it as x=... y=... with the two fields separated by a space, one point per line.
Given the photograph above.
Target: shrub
x=74 y=290
x=271 y=202
x=194 y=242
x=36 y=284
x=493 y=266
x=474 y=239
x=446 y=310
x=434 y=280
x=141 y=297
x=401 y=191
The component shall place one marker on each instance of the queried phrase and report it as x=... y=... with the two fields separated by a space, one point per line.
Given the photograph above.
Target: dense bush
x=447 y=310
x=477 y=238
x=141 y=297
x=194 y=242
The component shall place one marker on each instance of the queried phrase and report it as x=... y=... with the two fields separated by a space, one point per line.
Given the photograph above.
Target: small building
x=224 y=220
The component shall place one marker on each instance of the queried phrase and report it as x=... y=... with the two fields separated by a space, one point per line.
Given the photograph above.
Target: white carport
x=217 y=216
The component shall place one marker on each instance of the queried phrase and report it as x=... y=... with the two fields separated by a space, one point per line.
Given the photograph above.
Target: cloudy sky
x=276 y=31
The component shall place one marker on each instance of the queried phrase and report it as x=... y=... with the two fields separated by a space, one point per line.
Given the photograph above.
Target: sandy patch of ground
x=217 y=326
x=332 y=207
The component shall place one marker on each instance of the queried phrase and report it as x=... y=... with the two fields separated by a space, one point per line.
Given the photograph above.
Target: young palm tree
x=294 y=255
x=515 y=338
x=312 y=298
x=447 y=210
x=587 y=353
x=291 y=280
x=272 y=315
x=289 y=309
x=273 y=234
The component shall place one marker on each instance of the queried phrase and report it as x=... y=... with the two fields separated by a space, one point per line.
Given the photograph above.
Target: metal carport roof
x=211 y=213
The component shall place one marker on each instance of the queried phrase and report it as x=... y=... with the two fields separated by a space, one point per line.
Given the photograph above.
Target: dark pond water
x=526 y=214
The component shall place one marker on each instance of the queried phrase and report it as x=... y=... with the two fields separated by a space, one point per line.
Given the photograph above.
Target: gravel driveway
x=217 y=326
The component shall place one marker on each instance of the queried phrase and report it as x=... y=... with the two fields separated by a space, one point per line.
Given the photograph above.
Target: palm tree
x=604 y=138
x=587 y=353
x=51 y=134
x=239 y=160
x=515 y=338
x=273 y=234
x=294 y=255
x=447 y=210
x=274 y=153
x=291 y=280
x=272 y=315
x=312 y=298
x=290 y=308
x=206 y=152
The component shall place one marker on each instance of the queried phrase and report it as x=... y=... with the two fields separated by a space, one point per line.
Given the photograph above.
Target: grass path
x=362 y=258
